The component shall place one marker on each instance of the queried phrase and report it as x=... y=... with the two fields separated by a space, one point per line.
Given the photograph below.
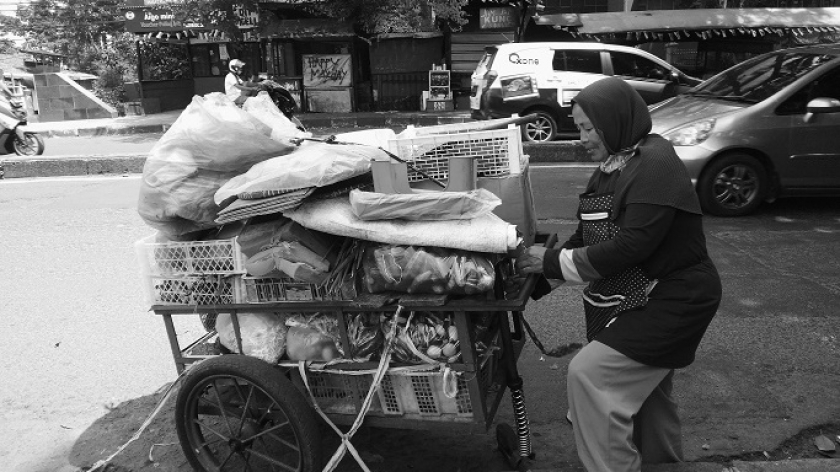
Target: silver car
x=765 y=128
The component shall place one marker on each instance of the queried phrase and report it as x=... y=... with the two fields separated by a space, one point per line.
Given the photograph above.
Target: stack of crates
x=191 y=272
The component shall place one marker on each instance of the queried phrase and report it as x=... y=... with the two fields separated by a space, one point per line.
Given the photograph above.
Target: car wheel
x=543 y=129
x=733 y=185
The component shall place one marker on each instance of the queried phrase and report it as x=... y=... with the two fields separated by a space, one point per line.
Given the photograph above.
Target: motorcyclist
x=7 y=118
x=237 y=88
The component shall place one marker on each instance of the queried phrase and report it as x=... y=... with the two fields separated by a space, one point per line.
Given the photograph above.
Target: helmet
x=236 y=65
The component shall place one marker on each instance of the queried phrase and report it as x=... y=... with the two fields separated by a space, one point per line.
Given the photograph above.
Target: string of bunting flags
x=186 y=34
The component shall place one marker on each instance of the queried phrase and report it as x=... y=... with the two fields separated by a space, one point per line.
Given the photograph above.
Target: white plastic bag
x=423 y=206
x=264 y=109
x=311 y=165
x=212 y=141
x=263 y=335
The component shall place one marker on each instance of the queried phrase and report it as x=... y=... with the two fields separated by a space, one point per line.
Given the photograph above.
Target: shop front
x=178 y=60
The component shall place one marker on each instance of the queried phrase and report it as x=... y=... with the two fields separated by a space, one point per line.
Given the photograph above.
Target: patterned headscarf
x=618 y=113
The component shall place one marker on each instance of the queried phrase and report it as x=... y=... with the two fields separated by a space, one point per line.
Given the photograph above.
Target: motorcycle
x=13 y=138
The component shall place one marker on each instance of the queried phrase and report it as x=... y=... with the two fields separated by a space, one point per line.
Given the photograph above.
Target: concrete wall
x=61 y=99
x=165 y=95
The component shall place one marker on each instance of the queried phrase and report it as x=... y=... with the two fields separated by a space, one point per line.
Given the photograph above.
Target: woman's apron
x=606 y=298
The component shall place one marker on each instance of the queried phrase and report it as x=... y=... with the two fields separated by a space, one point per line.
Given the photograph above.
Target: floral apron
x=606 y=298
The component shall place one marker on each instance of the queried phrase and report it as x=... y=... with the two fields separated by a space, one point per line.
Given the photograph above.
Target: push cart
x=232 y=409
x=239 y=413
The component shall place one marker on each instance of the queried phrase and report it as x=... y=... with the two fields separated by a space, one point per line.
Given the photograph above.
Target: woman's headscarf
x=618 y=113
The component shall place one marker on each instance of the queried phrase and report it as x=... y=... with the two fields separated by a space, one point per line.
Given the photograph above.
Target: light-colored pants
x=621 y=411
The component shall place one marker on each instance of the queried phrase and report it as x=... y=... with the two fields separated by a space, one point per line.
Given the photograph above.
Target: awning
x=698 y=22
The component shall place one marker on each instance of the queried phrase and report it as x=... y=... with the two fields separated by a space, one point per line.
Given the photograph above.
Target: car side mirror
x=820 y=106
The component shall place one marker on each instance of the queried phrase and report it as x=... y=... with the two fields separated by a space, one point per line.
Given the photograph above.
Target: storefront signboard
x=497 y=18
x=327 y=70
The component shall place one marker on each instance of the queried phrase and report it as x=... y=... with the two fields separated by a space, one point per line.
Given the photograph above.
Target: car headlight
x=691 y=135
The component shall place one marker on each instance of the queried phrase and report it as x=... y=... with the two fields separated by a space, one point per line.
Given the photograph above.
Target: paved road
x=82 y=340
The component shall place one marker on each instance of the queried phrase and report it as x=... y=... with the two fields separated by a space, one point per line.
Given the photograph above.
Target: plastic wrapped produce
x=309 y=344
x=366 y=337
x=423 y=206
x=411 y=269
x=263 y=335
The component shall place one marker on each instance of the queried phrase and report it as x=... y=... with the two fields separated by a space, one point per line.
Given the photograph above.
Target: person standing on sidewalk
x=652 y=288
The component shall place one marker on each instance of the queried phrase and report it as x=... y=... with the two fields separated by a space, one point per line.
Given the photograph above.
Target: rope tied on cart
x=346 y=445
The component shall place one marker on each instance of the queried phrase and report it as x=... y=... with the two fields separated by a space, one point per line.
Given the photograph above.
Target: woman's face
x=589 y=137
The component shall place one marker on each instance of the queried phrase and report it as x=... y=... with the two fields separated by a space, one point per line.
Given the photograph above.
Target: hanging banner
x=327 y=70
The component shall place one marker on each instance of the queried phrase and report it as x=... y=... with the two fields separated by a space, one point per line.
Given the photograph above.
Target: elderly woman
x=652 y=288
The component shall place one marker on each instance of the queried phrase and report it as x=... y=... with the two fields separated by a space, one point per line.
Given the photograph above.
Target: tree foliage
x=372 y=17
x=222 y=15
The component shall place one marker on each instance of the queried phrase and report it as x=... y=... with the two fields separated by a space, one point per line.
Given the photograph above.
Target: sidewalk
x=13 y=166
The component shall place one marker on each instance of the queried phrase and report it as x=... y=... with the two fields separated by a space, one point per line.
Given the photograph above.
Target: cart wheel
x=508 y=444
x=238 y=413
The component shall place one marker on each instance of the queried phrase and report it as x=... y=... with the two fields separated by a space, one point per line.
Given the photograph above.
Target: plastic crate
x=222 y=256
x=497 y=152
x=268 y=290
x=419 y=395
x=414 y=395
x=211 y=289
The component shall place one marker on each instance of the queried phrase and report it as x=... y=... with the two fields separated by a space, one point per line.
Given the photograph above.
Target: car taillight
x=489 y=78
x=519 y=86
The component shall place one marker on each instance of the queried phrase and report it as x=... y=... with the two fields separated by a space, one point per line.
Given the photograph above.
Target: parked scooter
x=13 y=138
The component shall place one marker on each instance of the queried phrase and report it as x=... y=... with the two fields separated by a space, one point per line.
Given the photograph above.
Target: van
x=543 y=78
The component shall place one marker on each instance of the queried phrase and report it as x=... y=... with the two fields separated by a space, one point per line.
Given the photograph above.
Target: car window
x=760 y=77
x=632 y=65
x=827 y=85
x=578 y=61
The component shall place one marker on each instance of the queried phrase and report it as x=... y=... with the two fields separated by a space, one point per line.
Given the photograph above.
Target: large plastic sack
x=311 y=165
x=263 y=108
x=423 y=206
x=212 y=141
x=410 y=269
x=263 y=335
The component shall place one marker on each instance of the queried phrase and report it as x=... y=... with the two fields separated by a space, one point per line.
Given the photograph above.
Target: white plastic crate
x=412 y=395
x=497 y=152
x=210 y=289
x=165 y=259
x=268 y=290
x=420 y=395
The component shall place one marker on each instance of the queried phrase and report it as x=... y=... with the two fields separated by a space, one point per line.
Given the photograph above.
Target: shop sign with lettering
x=326 y=70
x=498 y=18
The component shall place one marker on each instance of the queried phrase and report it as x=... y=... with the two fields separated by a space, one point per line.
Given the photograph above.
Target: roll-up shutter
x=468 y=48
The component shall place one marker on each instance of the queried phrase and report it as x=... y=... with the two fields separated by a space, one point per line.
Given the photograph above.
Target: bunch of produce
x=431 y=270
x=365 y=336
x=428 y=338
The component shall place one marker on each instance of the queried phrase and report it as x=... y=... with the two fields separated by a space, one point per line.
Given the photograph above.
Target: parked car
x=765 y=128
x=542 y=78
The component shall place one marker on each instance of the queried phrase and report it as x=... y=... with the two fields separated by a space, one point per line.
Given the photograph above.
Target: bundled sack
x=427 y=339
x=263 y=335
x=423 y=206
x=290 y=258
x=411 y=269
x=212 y=141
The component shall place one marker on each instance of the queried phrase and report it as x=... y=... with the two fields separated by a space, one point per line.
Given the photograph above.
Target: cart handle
x=513 y=121
x=531 y=281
